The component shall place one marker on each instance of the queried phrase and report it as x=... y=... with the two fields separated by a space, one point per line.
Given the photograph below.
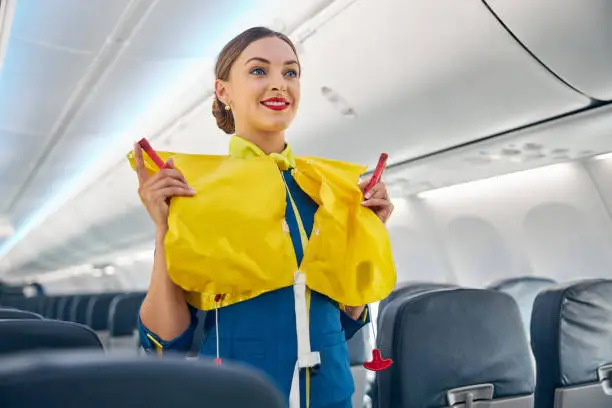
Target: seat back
x=60 y=305
x=123 y=314
x=68 y=308
x=524 y=291
x=408 y=289
x=198 y=333
x=84 y=380
x=78 y=314
x=50 y=306
x=571 y=337
x=98 y=310
x=30 y=335
x=6 y=313
x=455 y=347
x=122 y=322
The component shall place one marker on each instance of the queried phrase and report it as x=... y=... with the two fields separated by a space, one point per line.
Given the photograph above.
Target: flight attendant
x=292 y=326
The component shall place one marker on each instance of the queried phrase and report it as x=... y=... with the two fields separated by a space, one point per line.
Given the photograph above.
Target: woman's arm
x=164 y=310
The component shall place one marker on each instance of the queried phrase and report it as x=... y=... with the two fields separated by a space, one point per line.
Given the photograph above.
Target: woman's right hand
x=157 y=190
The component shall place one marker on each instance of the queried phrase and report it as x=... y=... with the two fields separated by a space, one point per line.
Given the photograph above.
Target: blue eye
x=258 y=71
x=292 y=73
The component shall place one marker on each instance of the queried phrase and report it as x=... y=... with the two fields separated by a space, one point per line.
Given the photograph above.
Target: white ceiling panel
x=571 y=37
x=13 y=148
x=125 y=93
x=72 y=25
x=35 y=84
x=185 y=29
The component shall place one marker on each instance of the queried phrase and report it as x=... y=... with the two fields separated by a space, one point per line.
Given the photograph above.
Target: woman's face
x=263 y=89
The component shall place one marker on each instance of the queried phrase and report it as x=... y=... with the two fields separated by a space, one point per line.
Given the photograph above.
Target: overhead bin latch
x=465 y=397
x=604 y=373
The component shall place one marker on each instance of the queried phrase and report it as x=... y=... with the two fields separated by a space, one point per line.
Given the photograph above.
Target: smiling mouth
x=276 y=104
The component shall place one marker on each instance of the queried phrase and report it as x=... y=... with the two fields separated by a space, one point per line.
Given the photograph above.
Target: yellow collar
x=242 y=148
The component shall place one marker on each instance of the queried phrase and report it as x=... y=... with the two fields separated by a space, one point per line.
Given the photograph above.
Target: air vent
x=338 y=102
x=532 y=147
x=510 y=152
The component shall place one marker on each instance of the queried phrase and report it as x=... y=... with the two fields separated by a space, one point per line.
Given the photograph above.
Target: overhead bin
x=420 y=76
x=573 y=38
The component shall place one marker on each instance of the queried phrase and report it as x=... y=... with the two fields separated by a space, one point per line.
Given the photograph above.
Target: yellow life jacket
x=231 y=238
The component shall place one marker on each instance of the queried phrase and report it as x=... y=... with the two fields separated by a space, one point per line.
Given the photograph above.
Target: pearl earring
x=227 y=108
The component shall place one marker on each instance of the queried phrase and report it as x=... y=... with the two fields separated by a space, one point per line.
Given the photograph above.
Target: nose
x=278 y=83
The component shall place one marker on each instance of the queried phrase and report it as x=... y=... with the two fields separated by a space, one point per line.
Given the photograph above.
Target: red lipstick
x=276 y=104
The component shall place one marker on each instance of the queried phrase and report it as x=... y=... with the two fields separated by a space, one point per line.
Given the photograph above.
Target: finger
x=141 y=170
x=166 y=174
x=377 y=202
x=378 y=191
x=174 y=173
x=169 y=192
x=167 y=182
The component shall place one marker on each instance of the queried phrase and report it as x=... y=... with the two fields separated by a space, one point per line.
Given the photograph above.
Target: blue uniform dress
x=261 y=332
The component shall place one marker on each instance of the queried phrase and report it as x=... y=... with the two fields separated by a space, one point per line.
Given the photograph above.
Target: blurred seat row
x=524 y=342
x=112 y=316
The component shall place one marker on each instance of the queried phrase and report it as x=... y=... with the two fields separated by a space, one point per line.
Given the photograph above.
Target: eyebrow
x=265 y=61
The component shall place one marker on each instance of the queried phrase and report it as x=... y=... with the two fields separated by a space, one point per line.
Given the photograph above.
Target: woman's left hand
x=377 y=199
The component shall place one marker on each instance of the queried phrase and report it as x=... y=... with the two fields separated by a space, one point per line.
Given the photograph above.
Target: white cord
x=217 y=327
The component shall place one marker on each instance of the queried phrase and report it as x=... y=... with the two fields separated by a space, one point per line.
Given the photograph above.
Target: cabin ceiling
x=422 y=76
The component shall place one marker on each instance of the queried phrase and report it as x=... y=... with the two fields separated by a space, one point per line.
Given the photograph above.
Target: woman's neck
x=272 y=142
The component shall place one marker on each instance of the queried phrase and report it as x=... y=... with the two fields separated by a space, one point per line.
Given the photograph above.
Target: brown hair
x=228 y=55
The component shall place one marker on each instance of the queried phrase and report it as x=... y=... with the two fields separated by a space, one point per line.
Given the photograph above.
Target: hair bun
x=225 y=118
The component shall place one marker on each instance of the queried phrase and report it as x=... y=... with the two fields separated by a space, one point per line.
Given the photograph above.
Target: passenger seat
x=122 y=322
x=94 y=381
x=98 y=309
x=31 y=335
x=571 y=337
x=455 y=347
x=524 y=291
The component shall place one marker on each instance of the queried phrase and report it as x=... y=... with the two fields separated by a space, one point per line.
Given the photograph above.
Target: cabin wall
x=553 y=221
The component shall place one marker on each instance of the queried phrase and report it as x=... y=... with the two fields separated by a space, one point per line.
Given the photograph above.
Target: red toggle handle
x=377 y=363
x=377 y=176
x=146 y=146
